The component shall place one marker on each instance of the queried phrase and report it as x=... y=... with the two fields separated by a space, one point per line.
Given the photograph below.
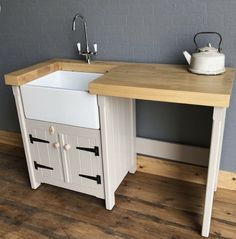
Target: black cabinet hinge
x=37 y=166
x=33 y=139
x=94 y=150
x=97 y=178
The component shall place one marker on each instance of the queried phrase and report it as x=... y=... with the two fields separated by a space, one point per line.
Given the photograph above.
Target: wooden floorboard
x=147 y=206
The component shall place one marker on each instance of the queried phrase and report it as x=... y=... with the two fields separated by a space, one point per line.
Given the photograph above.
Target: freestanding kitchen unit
x=78 y=120
x=73 y=139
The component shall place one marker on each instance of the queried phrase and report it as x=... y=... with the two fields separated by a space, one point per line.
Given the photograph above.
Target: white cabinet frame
x=20 y=111
x=118 y=131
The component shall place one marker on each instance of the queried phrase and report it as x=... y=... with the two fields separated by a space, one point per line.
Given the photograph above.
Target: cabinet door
x=82 y=156
x=45 y=151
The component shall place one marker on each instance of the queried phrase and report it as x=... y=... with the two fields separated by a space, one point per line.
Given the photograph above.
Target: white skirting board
x=177 y=152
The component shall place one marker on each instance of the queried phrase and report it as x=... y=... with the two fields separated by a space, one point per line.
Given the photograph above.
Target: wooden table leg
x=213 y=168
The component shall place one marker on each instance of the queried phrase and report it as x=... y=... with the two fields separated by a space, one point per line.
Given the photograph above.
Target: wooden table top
x=156 y=82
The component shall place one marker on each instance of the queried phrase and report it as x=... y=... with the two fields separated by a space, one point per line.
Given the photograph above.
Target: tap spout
x=85 y=28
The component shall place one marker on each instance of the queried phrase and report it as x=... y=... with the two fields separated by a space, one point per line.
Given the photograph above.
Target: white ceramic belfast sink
x=62 y=97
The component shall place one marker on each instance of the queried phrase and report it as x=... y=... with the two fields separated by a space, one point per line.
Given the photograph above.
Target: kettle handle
x=219 y=46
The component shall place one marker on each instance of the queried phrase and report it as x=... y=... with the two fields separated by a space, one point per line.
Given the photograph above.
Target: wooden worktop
x=157 y=82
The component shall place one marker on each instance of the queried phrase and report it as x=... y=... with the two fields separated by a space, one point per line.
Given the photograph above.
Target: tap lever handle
x=79 y=46
x=95 y=46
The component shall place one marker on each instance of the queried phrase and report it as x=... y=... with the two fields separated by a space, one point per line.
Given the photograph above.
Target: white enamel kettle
x=208 y=60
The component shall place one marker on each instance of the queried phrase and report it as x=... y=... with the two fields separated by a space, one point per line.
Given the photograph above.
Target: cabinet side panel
x=33 y=180
x=117 y=139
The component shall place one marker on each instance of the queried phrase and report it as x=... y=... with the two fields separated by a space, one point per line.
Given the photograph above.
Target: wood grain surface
x=157 y=82
x=165 y=83
x=11 y=138
x=147 y=207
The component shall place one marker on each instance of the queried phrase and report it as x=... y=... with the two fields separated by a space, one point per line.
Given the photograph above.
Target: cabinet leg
x=35 y=185
x=133 y=164
x=110 y=201
x=21 y=116
x=214 y=161
x=133 y=170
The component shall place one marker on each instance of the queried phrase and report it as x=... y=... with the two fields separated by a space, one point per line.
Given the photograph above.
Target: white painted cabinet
x=66 y=156
x=91 y=161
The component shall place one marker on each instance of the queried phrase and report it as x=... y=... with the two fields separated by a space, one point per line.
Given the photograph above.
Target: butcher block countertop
x=156 y=82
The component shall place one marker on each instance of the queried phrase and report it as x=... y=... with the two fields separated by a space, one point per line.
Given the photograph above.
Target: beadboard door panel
x=82 y=166
x=43 y=153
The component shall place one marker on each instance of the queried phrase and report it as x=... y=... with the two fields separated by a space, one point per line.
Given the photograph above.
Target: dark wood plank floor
x=147 y=207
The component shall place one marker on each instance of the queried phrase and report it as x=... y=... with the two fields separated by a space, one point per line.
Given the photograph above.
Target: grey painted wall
x=127 y=30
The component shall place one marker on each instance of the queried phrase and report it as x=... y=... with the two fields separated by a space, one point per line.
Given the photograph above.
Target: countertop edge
x=27 y=74
x=162 y=95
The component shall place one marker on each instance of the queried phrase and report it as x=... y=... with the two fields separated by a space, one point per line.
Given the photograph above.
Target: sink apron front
x=69 y=107
x=62 y=97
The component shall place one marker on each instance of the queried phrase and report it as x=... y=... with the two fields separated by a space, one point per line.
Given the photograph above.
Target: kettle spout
x=187 y=57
